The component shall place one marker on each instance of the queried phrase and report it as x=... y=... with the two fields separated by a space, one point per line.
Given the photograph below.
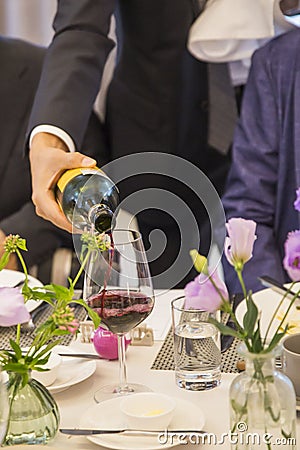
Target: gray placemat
x=7 y=333
x=165 y=357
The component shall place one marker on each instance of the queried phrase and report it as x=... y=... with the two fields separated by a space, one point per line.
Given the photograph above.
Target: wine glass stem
x=123 y=385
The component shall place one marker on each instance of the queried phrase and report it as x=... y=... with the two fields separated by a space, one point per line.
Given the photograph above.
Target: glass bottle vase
x=33 y=415
x=262 y=406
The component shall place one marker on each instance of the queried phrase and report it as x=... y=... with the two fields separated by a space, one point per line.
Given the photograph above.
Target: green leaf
x=4 y=260
x=250 y=318
x=62 y=293
x=257 y=345
x=16 y=348
x=224 y=329
x=21 y=243
x=92 y=314
x=277 y=338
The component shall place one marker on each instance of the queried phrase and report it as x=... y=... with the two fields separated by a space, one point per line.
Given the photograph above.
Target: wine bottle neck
x=101 y=216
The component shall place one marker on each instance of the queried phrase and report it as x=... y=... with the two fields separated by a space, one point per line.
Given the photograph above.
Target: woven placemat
x=165 y=357
x=7 y=333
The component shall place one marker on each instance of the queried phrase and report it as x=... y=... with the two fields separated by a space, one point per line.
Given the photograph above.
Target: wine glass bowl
x=118 y=287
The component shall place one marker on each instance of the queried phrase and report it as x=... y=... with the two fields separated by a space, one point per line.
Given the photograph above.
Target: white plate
x=187 y=416
x=267 y=301
x=71 y=371
x=9 y=278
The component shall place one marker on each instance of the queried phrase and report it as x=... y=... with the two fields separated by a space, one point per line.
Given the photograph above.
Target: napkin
x=230 y=30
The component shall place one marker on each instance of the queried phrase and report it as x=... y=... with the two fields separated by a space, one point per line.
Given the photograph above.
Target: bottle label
x=68 y=175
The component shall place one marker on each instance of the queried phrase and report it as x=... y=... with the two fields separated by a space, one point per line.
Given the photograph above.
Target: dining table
x=77 y=399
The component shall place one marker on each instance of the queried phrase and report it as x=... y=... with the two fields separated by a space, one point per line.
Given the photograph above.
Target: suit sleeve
x=73 y=66
x=252 y=182
x=42 y=237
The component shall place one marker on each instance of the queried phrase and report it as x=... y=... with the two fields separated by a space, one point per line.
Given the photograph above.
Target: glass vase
x=262 y=406
x=4 y=409
x=33 y=415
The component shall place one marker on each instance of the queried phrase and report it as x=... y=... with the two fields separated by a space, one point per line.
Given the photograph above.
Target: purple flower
x=12 y=307
x=291 y=260
x=202 y=294
x=297 y=201
x=240 y=241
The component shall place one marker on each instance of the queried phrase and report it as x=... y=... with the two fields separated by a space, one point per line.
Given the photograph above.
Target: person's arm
x=252 y=182
x=42 y=237
x=68 y=86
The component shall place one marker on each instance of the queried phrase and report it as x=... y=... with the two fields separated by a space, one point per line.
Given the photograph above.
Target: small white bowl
x=48 y=377
x=148 y=411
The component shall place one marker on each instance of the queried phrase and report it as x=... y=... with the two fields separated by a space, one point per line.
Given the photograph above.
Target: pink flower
x=240 y=241
x=297 y=201
x=202 y=294
x=72 y=327
x=12 y=307
x=291 y=260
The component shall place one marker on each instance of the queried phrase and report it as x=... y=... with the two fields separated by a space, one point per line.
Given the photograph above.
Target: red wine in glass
x=118 y=287
x=121 y=311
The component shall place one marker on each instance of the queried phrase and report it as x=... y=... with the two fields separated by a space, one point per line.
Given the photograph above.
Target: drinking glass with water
x=197 y=352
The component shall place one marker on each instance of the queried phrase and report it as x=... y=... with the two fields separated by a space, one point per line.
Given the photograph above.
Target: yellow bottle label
x=68 y=175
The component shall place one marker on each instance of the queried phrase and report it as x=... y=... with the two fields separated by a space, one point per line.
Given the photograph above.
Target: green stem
x=275 y=313
x=22 y=263
x=240 y=277
x=82 y=266
x=286 y=313
x=18 y=334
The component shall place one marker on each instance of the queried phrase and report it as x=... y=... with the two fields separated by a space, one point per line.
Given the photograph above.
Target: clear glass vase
x=262 y=406
x=33 y=415
x=4 y=409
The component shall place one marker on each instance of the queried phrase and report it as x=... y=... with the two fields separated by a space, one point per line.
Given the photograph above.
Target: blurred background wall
x=28 y=19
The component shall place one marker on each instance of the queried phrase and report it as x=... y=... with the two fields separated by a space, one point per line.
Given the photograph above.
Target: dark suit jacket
x=266 y=157
x=156 y=101
x=19 y=77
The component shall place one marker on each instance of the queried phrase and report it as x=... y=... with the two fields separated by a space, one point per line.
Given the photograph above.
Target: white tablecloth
x=75 y=401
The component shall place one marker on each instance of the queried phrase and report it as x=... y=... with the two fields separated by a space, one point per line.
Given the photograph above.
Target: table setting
x=213 y=403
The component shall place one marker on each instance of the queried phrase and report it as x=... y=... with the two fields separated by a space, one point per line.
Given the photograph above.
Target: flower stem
x=275 y=314
x=82 y=266
x=287 y=312
x=21 y=259
x=18 y=333
x=241 y=280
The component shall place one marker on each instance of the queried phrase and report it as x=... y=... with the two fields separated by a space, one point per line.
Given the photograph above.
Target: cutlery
x=81 y=355
x=276 y=286
x=89 y=432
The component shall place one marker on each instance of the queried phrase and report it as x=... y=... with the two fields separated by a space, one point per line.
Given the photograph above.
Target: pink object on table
x=106 y=343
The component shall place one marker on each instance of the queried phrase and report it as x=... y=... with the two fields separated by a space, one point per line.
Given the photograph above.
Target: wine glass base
x=108 y=391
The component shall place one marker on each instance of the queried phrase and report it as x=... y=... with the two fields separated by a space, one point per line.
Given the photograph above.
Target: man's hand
x=49 y=158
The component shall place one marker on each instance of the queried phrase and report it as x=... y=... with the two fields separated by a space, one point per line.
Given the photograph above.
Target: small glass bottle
x=88 y=197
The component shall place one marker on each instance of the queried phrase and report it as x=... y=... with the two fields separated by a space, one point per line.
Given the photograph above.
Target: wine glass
x=118 y=286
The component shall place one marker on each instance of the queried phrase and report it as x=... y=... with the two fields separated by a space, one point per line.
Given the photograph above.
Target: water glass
x=197 y=353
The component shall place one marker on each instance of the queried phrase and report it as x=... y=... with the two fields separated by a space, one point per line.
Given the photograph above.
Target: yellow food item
x=154 y=412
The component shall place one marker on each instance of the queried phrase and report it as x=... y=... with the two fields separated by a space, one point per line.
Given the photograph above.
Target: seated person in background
x=265 y=170
x=19 y=76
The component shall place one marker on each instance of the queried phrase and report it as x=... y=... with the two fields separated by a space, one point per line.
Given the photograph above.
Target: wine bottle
x=88 y=197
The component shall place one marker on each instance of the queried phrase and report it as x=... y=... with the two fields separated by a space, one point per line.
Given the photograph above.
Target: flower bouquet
x=261 y=399
x=29 y=401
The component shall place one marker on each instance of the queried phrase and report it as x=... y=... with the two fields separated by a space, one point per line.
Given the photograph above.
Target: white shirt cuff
x=65 y=137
